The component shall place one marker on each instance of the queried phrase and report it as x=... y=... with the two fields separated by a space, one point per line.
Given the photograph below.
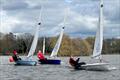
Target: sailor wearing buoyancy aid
x=15 y=56
x=75 y=63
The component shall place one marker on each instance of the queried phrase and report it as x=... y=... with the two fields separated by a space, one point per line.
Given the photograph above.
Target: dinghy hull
x=50 y=61
x=97 y=67
x=26 y=63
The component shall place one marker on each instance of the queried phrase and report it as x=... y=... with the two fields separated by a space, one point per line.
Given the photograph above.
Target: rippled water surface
x=8 y=71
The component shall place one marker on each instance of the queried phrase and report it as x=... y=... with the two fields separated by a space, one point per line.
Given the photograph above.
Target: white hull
x=98 y=67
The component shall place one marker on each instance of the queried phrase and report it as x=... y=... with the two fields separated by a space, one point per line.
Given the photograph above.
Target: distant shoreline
x=63 y=56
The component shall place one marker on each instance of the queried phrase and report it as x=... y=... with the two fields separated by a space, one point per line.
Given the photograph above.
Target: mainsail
x=57 y=46
x=34 y=43
x=99 y=36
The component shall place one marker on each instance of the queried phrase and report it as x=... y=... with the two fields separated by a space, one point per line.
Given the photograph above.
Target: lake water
x=8 y=71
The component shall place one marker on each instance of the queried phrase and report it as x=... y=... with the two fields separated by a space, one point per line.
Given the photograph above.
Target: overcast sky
x=21 y=16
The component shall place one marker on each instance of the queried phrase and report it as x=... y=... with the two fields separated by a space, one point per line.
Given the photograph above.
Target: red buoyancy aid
x=15 y=52
x=11 y=59
x=40 y=55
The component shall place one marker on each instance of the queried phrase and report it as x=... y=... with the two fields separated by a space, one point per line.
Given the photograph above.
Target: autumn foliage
x=69 y=46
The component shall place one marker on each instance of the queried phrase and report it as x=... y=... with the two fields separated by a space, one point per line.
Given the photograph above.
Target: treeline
x=69 y=46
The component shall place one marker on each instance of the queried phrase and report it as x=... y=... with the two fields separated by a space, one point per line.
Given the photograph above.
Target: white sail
x=34 y=43
x=57 y=46
x=44 y=45
x=99 y=36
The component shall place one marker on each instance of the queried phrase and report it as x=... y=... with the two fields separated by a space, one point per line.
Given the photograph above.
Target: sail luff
x=57 y=46
x=99 y=35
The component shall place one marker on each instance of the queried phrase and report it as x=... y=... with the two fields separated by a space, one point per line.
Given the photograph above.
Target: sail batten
x=99 y=35
x=57 y=46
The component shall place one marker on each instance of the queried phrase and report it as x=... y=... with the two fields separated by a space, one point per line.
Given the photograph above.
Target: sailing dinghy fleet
x=28 y=61
x=99 y=66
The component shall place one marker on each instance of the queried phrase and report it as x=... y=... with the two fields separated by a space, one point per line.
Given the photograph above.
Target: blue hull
x=26 y=63
x=50 y=61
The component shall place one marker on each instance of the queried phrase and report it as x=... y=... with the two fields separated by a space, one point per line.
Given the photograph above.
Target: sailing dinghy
x=28 y=61
x=52 y=59
x=101 y=65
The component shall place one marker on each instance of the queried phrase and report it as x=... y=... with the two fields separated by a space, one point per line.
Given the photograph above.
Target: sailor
x=75 y=63
x=72 y=61
x=15 y=56
x=41 y=57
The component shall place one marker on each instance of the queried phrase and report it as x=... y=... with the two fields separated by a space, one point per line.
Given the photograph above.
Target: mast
x=44 y=45
x=99 y=35
x=34 y=43
x=35 y=39
x=57 y=46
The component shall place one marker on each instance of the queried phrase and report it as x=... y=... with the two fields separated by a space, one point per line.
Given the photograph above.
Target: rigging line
x=71 y=46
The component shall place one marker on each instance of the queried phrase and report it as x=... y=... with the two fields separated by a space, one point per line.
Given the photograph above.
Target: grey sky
x=20 y=16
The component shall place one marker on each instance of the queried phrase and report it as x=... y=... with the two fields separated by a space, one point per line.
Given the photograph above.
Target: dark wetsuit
x=16 y=58
x=43 y=61
x=76 y=63
x=72 y=62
